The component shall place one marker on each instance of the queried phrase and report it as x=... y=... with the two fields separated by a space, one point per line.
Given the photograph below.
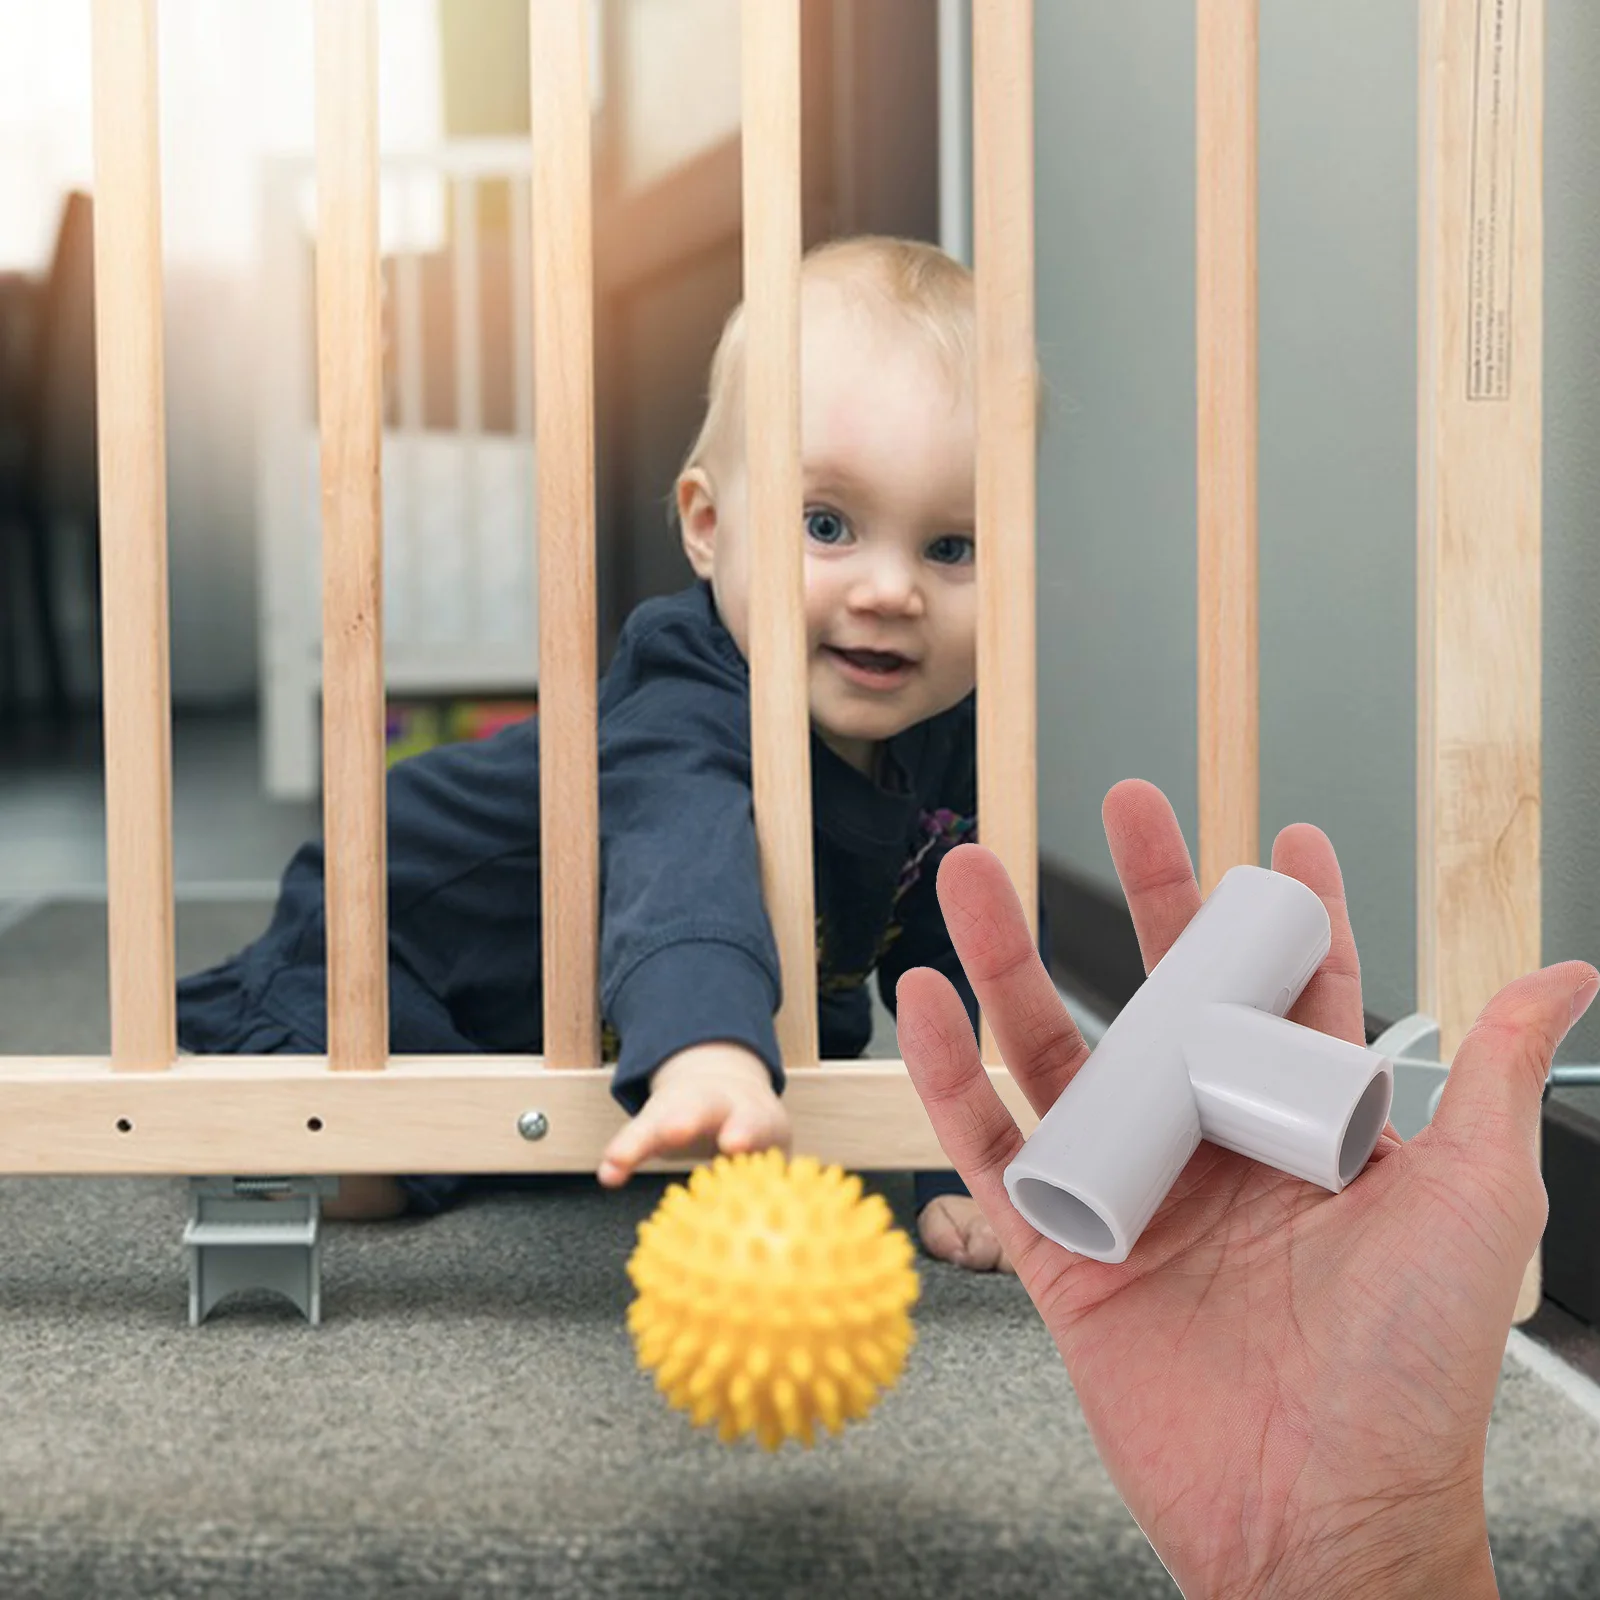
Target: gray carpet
x=468 y=1420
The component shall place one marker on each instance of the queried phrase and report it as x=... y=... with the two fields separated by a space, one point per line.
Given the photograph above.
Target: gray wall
x=1115 y=239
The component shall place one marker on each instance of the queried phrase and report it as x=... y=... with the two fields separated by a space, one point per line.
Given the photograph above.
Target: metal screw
x=533 y=1125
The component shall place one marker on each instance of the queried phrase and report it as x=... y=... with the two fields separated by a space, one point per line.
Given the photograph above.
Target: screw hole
x=123 y=1125
x=314 y=1124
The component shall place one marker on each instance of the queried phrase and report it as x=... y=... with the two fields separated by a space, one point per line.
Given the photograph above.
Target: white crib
x=460 y=567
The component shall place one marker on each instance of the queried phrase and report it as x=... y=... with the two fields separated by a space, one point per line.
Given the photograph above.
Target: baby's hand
x=708 y=1098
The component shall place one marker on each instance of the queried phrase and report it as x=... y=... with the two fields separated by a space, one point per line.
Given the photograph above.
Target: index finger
x=661 y=1126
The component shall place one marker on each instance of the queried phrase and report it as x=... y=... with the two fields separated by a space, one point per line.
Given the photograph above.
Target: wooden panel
x=779 y=712
x=350 y=399
x=563 y=392
x=1478 y=498
x=1002 y=111
x=1228 y=713
x=253 y=1115
x=133 y=535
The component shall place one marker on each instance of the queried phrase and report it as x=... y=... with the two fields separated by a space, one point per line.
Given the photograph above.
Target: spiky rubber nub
x=773 y=1297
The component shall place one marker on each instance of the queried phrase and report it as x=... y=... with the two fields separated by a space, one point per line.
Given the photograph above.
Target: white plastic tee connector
x=1204 y=1051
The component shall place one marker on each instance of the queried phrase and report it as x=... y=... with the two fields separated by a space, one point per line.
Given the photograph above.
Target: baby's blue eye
x=952 y=549
x=826 y=527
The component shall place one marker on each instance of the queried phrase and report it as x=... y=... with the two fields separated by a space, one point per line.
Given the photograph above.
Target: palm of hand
x=1255 y=1296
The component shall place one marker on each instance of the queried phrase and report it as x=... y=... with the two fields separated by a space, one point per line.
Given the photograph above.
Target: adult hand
x=1289 y=1388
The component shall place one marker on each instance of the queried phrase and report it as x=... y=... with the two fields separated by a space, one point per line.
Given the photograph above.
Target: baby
x=689 y=970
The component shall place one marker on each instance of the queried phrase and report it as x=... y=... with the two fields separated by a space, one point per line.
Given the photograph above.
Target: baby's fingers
x=664 y=1125
x=759 y=1125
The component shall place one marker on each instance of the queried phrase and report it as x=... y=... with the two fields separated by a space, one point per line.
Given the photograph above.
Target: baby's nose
x=888 y=583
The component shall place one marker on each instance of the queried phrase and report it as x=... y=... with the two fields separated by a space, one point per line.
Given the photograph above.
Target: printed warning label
x=1491 y=224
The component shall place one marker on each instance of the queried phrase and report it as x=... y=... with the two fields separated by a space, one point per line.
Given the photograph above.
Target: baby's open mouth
x=883 y=660
x=873 y=671
x=873 y=660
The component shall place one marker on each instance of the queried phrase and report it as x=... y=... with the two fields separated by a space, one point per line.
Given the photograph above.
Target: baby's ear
x=697 y=519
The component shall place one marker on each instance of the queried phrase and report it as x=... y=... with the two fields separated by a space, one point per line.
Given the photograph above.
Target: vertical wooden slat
x=1228 y=716
x=1002 y=207
x=1478 y=525
x=563 y=392
x=133 y=535
x=780 y=726
x=350 y=395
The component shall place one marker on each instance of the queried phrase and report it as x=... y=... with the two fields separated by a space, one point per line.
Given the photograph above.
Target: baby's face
x=887 y=445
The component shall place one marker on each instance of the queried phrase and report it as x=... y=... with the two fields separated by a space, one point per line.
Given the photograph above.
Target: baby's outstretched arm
x=710 y=1098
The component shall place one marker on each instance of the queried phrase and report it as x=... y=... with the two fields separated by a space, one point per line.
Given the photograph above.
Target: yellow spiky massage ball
x=773 y=1297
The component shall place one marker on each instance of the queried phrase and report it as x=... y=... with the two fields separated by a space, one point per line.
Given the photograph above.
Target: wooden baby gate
x=358 y=1109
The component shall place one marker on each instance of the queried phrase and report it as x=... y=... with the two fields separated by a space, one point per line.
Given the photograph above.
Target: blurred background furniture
x=49 y=482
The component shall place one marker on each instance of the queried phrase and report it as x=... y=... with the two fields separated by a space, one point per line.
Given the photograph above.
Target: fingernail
x=1583 y=999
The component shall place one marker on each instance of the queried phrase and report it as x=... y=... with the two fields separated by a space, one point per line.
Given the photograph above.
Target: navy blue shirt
x=686 y=949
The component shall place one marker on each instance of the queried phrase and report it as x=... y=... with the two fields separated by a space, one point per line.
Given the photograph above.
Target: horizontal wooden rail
x=263 y=1115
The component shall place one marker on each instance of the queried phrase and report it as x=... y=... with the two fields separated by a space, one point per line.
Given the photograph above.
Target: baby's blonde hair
x=931 y=291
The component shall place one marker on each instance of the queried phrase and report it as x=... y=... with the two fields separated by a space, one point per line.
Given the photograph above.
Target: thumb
x=1498 y=1076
